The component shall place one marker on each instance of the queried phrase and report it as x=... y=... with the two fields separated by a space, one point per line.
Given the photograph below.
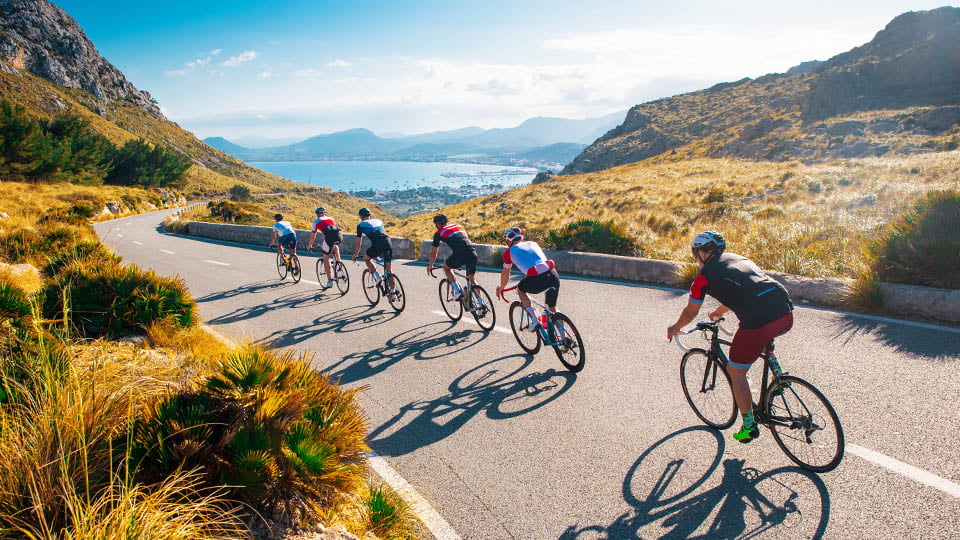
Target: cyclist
x=464 y=254
x=332 y=237
x=379 y=245
x=761 y=304
x=541 y=275
x=284 y=235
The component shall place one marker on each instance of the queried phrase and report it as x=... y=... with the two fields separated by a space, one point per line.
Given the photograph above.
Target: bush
x=142 y=164
x=239 y=193
x=595 y=236
x=923 y=246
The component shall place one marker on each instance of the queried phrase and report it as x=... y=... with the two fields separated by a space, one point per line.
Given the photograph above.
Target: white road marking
x=138 y=243
x=431 y=518
x=119 y=236
x=168 y=252
x=217 y=262
x=904 y=469
x=472 y=321
x=310 y=282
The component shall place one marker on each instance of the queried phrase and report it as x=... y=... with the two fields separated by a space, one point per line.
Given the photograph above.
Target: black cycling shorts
x=330 y=240
x=538 y=284
x=466 y=258
x=381 y=248
x=288 y=241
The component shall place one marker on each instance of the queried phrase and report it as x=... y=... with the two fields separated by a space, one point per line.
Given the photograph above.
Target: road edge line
x=905 y=469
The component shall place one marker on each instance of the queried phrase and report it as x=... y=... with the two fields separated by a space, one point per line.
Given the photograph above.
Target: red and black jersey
x=742 y=286
x=454 y=236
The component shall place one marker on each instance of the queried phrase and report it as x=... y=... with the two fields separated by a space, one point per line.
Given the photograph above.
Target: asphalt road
x=505 y=445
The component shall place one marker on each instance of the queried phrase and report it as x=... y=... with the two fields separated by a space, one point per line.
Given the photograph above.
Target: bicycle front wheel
x=520 y=322
x=371 y=288
x=295 y=270
x=707 y=388
x=341 y=277
x=396 y=296
x=567 y=342
x=804 y=424
x=451 y=306
x=281 y=267
x=482 y=308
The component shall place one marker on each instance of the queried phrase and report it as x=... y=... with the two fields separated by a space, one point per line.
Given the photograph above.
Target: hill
x=860 y=103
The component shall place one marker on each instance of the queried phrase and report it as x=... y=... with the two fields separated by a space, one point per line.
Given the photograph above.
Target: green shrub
x=594 y=236
x=140 y=163
x=240 y=193
x=923 y=246
x=387 y=514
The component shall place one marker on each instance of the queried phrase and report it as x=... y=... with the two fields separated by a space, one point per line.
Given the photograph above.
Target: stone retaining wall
x=908 y=300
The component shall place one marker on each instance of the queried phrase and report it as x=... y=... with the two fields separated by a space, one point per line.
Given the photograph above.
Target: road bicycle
x=801 y=419
x=340 y=275
x=552 y=329
x=473 y=299
x=374 y=289
x=288 y=264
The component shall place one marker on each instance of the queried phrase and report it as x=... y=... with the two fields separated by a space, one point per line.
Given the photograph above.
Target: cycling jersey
x=321 y=224
x=454 y=236
x=742 y=286
x=372 y=228
x=528 y=257
x=283 y=228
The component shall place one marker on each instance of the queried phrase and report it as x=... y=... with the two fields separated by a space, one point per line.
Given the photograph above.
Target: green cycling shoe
x=746 y=435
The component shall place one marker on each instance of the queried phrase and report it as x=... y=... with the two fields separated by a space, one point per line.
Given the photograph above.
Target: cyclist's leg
x=553 y=289
x=368 y=257
x=325 y=250
x=336 y=251
x=471 y=267
x=387 y=256
x=747 y=345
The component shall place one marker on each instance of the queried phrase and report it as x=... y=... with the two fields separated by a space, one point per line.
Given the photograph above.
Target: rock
x=4 y=215
x=757 y=130
x=541 y=177
x=850 y=127
x=940 y=119
x=482 y=214
x=113 y=207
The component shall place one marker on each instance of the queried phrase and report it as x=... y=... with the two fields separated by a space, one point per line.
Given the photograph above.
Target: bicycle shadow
x=927 y=343
x=683 y=498
x=425 y=342
x=295 y=300
x=349 y=319
x=250 y=288
x=498 y=388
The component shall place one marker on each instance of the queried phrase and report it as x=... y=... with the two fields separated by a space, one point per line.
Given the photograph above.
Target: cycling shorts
x=749 y=343
x=542 y=282
x=288 y=241
x=381 y=248
x=326 y=247
x=463 y=257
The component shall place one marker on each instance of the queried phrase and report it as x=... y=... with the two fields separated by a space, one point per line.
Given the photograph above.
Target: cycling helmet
x=513 y=233
x=320 y=210
x=440 y=219
x=364 y=212
x=708 y=240
x=278 y=217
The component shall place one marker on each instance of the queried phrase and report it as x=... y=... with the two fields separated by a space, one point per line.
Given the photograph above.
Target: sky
x=298 y=68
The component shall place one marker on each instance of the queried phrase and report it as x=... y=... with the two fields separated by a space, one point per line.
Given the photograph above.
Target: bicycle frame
x=544 y=333
x=466 y=298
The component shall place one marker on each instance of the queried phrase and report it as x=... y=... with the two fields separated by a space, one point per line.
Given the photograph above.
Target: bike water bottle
x=543 y=320
x=775 y=366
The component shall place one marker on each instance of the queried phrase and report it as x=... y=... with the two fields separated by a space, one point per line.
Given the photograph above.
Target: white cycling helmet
x=513 y=233
x=708 y=240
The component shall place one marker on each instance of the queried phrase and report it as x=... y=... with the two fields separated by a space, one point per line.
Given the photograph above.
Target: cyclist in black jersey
x=464 y=254
x=761 y=304
x=379 y=245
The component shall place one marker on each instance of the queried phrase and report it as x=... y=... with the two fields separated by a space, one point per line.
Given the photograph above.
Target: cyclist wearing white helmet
x=541 y=275
x=326 y=226
x=761 y=304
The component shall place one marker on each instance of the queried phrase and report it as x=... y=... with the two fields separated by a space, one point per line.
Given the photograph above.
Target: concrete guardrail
x=909 y=300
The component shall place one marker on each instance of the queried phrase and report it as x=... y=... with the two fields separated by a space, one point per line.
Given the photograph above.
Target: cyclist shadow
x=425 y=342
x=297 y=300
x=676 y=497
x=927 y=343
x=250 y=288
x=350 y=319
x=498 y=388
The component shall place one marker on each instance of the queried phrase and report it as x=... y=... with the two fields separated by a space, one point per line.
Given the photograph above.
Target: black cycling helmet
x=709 y=241
x=320 y=210
x=364 y=212
x=278 y=217
x=440 y=219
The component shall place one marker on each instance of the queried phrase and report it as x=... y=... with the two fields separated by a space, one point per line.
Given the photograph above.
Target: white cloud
x=260 y=116
x=266 y=74
x=215 y=52
x=308 y=72
x=176 y=72
x=235 y=61
x=338 y=63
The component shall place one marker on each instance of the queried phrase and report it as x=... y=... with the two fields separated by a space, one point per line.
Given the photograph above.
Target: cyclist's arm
x=719 y=312
x=433 y=257
x=688 y=314
x=313 y=235
x=504 y=277
x=356 y=247
x=273 y=237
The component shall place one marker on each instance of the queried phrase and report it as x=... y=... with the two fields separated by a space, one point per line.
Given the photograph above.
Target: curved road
x=508 y=446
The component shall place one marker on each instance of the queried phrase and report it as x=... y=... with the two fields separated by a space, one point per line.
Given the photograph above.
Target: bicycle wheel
x=519 y=322
x=295 y=270
x=707 y=388
x=452 y=307
x=804 y=424
x=281 y=267
x=341 y=277
x=568 y=343
x=320 y=271
x=370 y=287
x=483 y=311
x=396 y=297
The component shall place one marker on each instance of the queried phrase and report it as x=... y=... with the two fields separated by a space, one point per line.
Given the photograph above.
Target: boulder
x=113 y=207
x=940 y=119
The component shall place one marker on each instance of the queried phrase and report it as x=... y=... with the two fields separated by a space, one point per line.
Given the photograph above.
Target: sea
x=397 y=175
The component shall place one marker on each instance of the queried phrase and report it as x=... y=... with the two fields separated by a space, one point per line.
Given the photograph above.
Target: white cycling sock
x=376 y=275
x=532 y=312
x=456 y=288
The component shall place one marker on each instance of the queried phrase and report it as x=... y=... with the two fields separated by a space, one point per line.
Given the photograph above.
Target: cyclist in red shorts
x=761 y=304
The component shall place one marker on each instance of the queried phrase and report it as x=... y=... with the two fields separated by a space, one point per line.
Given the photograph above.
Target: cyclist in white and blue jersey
x=284 y=235
x=379 y=244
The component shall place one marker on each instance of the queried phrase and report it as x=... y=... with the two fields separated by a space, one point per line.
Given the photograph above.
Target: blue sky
x=296 y=68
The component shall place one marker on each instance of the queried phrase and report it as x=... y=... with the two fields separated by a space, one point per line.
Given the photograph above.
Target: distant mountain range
x=545 y=143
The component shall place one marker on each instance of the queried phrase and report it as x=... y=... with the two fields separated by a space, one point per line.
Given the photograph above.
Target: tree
x=239 y=193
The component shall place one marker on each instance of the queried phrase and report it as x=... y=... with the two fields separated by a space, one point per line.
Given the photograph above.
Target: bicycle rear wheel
x=567 y=342
x=341 y=277
x=281 y=267
x=295 y=270
x=370 y=287
x=804 y=424
x=451 y=306
x=707 y=388
x=520 y=321
x=396 y=297
x=482 y=308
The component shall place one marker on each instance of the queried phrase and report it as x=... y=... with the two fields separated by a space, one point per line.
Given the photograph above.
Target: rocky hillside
x=898 y=93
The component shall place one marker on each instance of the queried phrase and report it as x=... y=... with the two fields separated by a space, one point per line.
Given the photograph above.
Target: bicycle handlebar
x=503 y=296
x=702 y=326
